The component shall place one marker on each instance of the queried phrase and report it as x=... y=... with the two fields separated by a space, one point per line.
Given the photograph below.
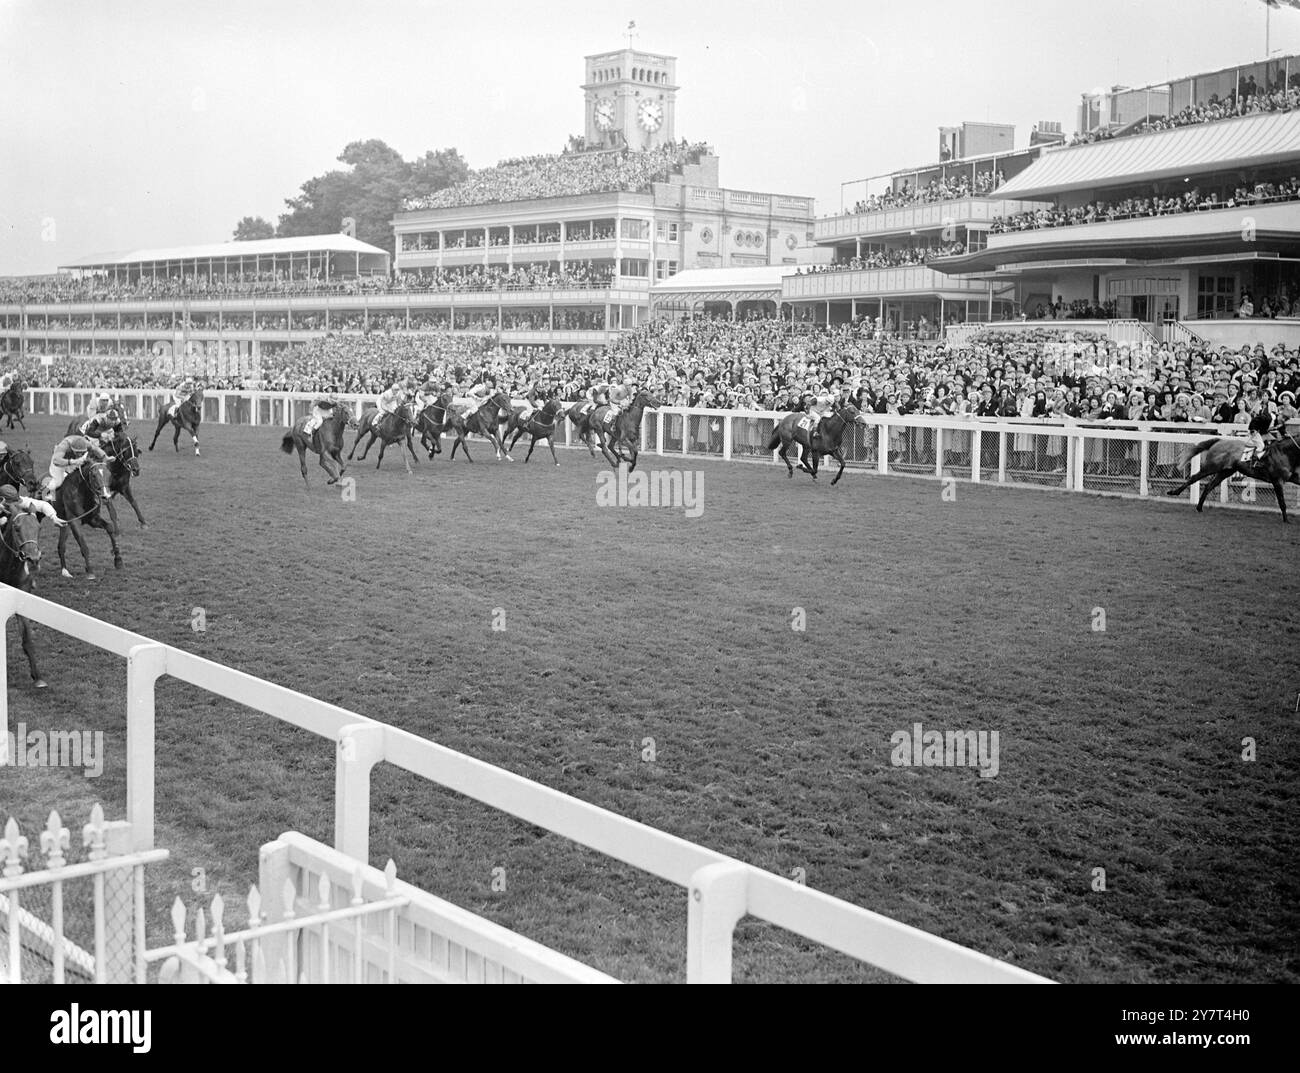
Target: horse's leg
x=550 y=442
x=80 y=538
x=302 y=459
x=1217 y=479
x=369 y=444
x=838 y=455
x=781 y=454
x=162 y=421
x=1280 y=492
x=327 y=464
x=176 y=435
x=110 y=527
x=403 y=453
x=63 y=543
x=383 y=446
x=361 y=431
x=410 y=446
x=29 y=647
x=632 y=457
x=194 y=435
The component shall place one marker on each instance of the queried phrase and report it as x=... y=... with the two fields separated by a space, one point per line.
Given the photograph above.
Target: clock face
x=650 y=115
x=604 y=114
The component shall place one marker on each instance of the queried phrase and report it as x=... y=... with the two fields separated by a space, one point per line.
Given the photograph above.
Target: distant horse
x=326 y=441
x=822 y=439
x=540 y=426
x=78 y=500
x=11 y=403
x=387 y=428
x=123 y=464
x=580 y=414
x=188 y=416
x=16 y=468
x=483 y=422
x=20 y=557
x=1279 y=464
x=623 y=429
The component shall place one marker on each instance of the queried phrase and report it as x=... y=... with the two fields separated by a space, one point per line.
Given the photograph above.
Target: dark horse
x=78 y=500
x=432 y=422
x=824 y=439
x=11 y=403
x=580 y=414
x=485 y=422
x=123 y=464
x=1279 y=463
x=16 y=468
x=614 y=430
x=540 y=425
x=326 y=441
x=20 y=557
x=188 y=416
x=386 y=428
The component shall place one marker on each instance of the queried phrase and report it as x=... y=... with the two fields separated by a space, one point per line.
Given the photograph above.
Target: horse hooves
x=40 y=683
x=65 y=572
x=144 y=525
x=90 y=576
x=117 y=563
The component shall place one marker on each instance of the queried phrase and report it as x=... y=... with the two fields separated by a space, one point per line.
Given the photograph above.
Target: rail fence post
x=718 y=899
x=145 y=664
x=360 y=747
x=975 y=446
x=726 y=438
x=6 y=613
x=882 y=448
x=1144 y=463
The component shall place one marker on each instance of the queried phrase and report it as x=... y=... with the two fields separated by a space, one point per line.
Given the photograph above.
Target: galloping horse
x=326 y=441
x=483 y=421
x=432 y=422
x=387 y=428
x=11 y=403
x=188 y=416
x=1279 y=463
x=16 y=468
x=540 y=426
x=78 y=499
x=123 y=464
x=614 y=430
x=20 y=557
x=824 y=439
x=580 y=414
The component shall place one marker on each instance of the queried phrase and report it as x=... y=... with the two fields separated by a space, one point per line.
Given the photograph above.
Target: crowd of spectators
x=565 y=175
x=1135 y=207
x=896 y=258
x=949 y=188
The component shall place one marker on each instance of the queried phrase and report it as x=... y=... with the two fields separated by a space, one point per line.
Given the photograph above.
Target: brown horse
x=11 y=404
x=580 y=414
x=326 y=441
x=1279 y=464
x=78 y=500
x=188 y=416
x=20 y=557
x=484 y=421
x=822 y=439
x=614 y=430
x=387 y=428
x=540 y=426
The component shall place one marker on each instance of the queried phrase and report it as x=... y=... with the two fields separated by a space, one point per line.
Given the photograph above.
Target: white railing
x=719 y=890
x=1118 y=458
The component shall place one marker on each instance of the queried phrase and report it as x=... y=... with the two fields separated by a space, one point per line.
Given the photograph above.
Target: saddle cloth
x=807 y=422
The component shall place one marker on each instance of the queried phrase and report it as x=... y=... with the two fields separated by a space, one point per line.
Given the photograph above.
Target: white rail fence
x=718 y=890
x=1144 y=459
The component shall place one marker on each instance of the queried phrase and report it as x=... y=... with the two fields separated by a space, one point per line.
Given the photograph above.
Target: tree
x=371 y=191
x=253 y=227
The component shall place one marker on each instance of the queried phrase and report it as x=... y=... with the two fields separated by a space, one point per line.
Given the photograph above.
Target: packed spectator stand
x=952 y=188
x=1252 y=100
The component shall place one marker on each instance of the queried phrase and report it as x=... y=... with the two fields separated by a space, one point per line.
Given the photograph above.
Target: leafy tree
x=253 y=227
x=371 y=191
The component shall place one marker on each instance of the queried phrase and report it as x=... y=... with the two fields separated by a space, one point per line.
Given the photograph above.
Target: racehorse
x=540 y=426
x=580 y=414
x=621 y=429
x=326 y=441
x=78 y=499
x=188 y=416
x=432 y=422
x=20 y=557
x=1279 y=463
x=823 y=439
x=11 y=403
x=16 y=468
x=123 y=464
x=483 y=421
x=387 y=428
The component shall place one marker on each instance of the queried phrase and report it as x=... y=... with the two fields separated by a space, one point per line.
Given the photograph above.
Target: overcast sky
x=129 y=123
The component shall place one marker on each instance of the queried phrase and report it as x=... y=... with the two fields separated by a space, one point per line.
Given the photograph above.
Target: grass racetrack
x=1120 y=749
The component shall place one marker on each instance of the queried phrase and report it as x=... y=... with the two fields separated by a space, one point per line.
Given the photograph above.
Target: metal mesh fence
x=674 y=431
x=704 y=435
x=750 y=436
x=1112 y=464
x=1037 y=458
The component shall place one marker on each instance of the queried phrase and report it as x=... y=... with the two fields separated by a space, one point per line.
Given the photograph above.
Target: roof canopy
x=220 y=251
x=1247 y=141
x=740 y=280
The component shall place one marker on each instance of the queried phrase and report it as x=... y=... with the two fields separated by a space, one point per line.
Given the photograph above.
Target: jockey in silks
x=479 y=394
x=597 y=395
x=100 y=402
x=620 y=398
x=820 y=406
x=6 y=381
x=425 y=396
x=103 y=425
x=12 y=503
x=534 y=399
x=321 y=409
x=391 y=400
x=69 y=454
x=180 y=394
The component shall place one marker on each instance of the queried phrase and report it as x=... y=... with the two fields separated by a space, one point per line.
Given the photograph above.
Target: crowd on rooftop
x=948 y=188
x=565 y=175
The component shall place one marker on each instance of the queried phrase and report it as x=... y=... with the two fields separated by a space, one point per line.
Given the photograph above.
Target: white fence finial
x=54 y=840
x=13 y=848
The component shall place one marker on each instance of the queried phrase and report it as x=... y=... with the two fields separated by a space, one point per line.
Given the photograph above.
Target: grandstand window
x=1215 y=297
x=637 y=230
x=634 y=267
x=665 y=269
x=667 y=231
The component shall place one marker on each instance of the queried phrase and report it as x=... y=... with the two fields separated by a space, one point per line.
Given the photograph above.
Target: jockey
x=597 y=395
x=479 y=394
x=425 y=396
x=100 y=402
x=103 y=424
x=621 y=395
x=392 y=400
x=12 y=503
x=69 y=454
x=1261 y=421
x=321 y=408
x=180 y=394
x=534 y=399
x=7 y=381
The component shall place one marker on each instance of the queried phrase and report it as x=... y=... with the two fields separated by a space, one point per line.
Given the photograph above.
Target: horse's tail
x=775 y=441
x=1204 y=445
x=286 y=443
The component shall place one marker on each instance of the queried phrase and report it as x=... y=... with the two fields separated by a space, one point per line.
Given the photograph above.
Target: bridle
x=14 y=477
x=16 y=550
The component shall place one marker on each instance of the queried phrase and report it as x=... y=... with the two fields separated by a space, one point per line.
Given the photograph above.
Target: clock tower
x=631 y=99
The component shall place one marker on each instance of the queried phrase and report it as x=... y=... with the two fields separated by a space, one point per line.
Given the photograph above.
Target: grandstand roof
x=755 y=277
x=1247 y=141
x=266 y=247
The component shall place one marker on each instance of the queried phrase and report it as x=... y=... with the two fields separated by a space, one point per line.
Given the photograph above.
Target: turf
x=1119 y=749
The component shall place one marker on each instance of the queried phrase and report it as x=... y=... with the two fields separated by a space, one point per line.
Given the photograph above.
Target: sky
x=145 y=123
